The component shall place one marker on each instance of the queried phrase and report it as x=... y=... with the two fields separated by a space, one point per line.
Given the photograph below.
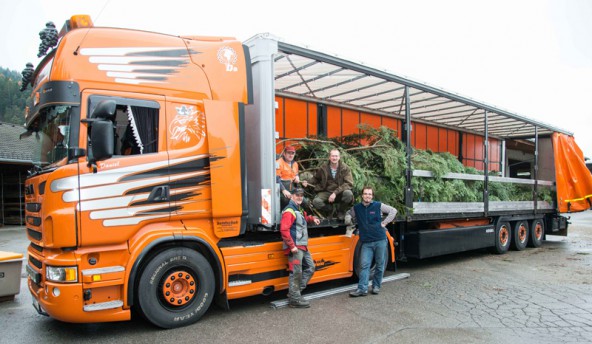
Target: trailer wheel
x=537 y=231
x=358 y=261
x=502 y=237
x=176 y=288
x=520 y=235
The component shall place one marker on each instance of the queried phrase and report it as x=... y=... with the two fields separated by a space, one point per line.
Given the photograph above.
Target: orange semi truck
x=155 y=187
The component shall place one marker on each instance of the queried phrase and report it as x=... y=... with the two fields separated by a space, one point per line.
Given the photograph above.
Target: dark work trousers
x=301 y=269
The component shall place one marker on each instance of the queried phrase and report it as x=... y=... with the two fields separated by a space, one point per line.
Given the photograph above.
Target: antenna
x=97 y=19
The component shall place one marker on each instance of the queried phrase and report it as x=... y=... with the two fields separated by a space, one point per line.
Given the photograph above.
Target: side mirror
x=105 y=110
x=102 y=141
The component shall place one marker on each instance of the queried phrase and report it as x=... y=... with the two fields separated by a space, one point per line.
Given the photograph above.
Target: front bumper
x=68 y=304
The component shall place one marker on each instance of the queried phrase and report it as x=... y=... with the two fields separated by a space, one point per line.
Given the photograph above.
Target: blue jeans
x=372 y=251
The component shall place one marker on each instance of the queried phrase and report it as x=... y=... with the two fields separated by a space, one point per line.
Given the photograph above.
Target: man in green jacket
x=333 y=184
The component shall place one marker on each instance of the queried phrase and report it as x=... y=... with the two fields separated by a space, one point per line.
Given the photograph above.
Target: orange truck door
x=131 y=188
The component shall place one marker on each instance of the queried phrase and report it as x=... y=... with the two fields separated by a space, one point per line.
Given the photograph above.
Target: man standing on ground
x=368 y=215
x=332 y=182
x=294 y=233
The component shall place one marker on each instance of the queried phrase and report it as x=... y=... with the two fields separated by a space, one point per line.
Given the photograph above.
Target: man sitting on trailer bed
x=333 y=182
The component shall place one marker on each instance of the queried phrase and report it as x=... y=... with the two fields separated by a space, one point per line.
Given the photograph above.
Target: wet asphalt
x=541 y=295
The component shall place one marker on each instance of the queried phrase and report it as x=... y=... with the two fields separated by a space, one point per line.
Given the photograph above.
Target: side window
x=136 y=130
x=135 y=124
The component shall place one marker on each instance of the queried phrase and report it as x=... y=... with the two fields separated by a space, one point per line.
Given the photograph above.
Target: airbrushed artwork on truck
x=138 y=65
x=124 y=196
x=188 y=126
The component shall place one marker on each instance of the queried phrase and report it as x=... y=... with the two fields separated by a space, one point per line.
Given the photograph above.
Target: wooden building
x=16 y=158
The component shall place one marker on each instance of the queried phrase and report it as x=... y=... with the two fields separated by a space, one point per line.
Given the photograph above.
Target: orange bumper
x=65 y=302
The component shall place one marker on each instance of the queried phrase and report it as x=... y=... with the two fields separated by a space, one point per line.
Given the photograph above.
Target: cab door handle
x=159 y=194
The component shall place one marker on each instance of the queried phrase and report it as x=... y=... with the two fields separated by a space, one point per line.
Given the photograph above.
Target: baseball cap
x=290 y=149
x=298 y=191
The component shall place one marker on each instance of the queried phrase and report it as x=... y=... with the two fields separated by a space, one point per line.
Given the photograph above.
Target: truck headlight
x=67 y=274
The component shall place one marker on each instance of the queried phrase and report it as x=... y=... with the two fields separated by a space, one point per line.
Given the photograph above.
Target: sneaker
x=375 y=291
x=300 y=303
x=357 y=293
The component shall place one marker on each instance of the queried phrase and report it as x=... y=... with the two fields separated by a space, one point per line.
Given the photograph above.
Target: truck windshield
x=53 y=135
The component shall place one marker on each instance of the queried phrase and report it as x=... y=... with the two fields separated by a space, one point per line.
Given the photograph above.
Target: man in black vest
x=368 y=215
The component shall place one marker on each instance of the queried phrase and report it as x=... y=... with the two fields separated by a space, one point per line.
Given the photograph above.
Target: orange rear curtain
x=574 y=181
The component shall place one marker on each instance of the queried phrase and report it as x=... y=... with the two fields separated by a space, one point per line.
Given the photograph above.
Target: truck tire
x=520 y=234
x=176 y=288
x=537 y=232
x=503 y=237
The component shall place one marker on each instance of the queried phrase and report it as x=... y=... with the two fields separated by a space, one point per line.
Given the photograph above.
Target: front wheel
x=176 y=288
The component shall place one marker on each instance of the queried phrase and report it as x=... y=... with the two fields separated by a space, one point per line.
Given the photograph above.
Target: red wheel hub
x=504 y=235
x=522 y=233
x=538 y=231
x=179 y=288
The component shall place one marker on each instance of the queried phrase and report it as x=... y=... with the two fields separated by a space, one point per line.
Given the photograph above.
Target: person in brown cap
x=294 y=231
x=287 y=174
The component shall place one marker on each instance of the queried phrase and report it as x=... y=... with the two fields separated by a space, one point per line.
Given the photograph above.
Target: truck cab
x=140 y=137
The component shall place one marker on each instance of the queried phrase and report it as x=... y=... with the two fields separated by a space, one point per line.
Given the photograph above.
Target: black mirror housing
x=102 y=140
x=105 y=110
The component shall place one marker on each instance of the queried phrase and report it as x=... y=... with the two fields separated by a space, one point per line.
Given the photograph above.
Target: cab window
x=135 y=124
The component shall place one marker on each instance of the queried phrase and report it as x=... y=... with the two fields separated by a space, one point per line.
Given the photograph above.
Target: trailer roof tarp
x=311 y=75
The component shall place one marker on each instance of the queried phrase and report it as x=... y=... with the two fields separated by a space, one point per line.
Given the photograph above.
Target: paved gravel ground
x=539 y=295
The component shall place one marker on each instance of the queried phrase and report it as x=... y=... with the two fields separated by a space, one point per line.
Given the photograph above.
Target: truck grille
x=33 y=207
x=34 y=221
x=36 y=247
x=34 y=234
x=35 y=262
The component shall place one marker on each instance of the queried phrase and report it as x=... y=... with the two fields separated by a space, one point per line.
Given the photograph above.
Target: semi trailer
x=155 y=183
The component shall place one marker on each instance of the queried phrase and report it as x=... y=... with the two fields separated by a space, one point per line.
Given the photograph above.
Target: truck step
x=103 y=305
x=320 y=294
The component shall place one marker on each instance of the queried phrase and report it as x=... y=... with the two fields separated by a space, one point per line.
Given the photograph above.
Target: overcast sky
x=532 y=58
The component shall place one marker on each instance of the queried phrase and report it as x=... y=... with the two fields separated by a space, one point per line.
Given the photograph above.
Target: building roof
x=13 y=149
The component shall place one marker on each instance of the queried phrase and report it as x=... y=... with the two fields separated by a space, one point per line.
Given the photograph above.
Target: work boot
x=299 y=303
x=301 y=289
x=357 y=293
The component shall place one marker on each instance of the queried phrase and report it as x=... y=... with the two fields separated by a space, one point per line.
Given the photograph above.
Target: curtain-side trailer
x=322 y=95
x=155 y=185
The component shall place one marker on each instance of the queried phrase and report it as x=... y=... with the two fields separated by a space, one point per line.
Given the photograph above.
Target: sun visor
x=574 y=181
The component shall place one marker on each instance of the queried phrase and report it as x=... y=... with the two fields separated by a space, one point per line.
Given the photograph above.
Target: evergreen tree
x=12 y=100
